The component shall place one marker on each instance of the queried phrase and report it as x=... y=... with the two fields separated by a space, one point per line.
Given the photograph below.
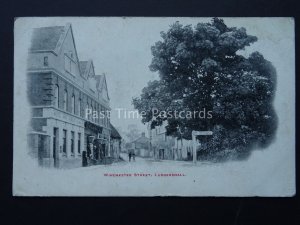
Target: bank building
x=61 y=89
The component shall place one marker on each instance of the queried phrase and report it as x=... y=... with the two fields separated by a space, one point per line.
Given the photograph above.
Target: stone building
x=169 y=147
x=141 y=146
x=70 y=103
x=116 y=142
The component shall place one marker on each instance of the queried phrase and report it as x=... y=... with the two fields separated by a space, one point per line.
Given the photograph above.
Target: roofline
x=62 y=39
x=105 y=84
x=139 y=138
x=104 y=103
x=42 y=51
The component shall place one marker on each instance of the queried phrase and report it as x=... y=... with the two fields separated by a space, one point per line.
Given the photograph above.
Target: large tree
x=202 y=67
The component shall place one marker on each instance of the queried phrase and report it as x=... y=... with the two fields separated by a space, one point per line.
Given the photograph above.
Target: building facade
x=116 y=143
x=169 y=147
x=70 y=103
x=140 y=146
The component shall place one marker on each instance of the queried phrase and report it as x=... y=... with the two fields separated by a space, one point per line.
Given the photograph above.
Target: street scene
x=207 y=102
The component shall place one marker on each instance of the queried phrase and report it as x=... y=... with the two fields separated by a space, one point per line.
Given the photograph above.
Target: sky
x=120 y=48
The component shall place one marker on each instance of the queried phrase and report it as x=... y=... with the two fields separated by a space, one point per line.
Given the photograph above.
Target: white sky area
x=120 y=47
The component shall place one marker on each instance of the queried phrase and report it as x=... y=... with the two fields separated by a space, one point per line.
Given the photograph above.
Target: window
x=64 y=141
x=67 y=64
x=73 y=104
x=79 y=107
x=46 y=61
x=56 y=96
x=79 y=143
x=70 y=65
x=104 y=117
x=92 y=114
x=86 y=111
x=107 y=119
x=72 y=142
x=101 y=115
x=65 y=100
x=73 y=67
x=55 y=143
x=98 y=114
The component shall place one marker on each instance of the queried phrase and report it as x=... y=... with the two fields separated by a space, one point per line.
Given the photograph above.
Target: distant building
x=169 y=147
x=61 y=89
x=116 y=142
x=141 y=146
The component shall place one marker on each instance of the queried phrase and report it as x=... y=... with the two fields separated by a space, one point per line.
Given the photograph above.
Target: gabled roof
x=46 y=38
x=101 y=83
x=83 y=65
x=51 y=39
x=85 y=68
x=100 y=80
x=143 y=140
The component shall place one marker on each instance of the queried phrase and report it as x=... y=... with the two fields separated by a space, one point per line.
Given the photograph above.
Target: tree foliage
x=200 y=67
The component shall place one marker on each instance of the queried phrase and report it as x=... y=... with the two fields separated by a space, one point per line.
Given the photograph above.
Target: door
x=104 y=150
x=40 y=149
x=43 y=149
x=55 y=146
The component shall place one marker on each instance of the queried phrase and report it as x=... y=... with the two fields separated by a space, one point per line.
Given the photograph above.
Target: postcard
x=154 y=106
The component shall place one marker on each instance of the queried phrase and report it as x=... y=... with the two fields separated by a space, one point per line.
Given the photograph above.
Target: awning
x=93 y=127
x=114 y=133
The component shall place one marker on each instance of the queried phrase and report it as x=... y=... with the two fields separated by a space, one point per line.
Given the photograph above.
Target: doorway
x=43 y=146
x=55 y=146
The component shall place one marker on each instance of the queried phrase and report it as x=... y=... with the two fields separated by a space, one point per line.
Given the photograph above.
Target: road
x=151 y=161
x=148 y=164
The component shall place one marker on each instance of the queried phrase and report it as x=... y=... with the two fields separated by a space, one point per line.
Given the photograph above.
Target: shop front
x=97 y=145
